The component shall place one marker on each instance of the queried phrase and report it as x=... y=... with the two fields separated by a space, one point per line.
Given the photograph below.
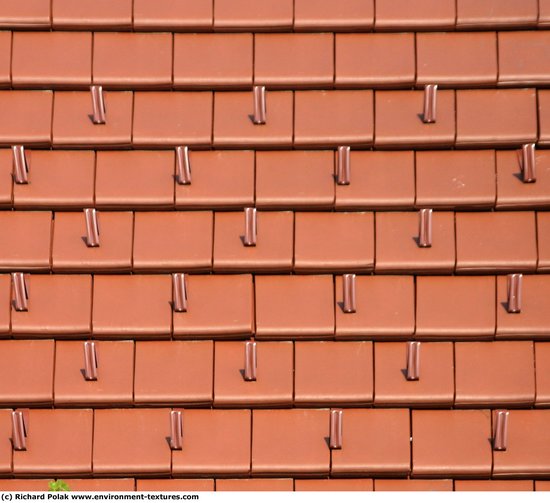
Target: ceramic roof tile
x=496 y=242
x=333 y=118
x=482 y=14
x=208 y=60
x=5 y=303
x=294 y=60
x=274 y=248
x=115 y=374
x=435 y=386
x=542 y=485
x=446 y=59
x=420 y=14
x=397 y=248
x=542 y=375
x=254 y=485
x=354 y=484
x=51 y=59
x=186 y=377
x=170 y=15
x=274 y=384
x=346 y=377
x=413 y=485
x=378 y=179
x=31 y=14
x=26 y=372
x=89 y=14
x=5 y=58
x=544 y=12
x=326 y=15
x=133 y=60
x=121 y=484
x=295 y=179
x=6 y=449
x=544 y=116
x=399 y=120
x=493 y=485
x=494 y=374
x=6 y=178
x=361 y=59
x=175 y=485
x=244 y=15
x=543 y=241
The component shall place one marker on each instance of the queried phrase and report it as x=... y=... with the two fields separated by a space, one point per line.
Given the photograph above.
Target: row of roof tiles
x=276 y=241
x=161 y=60
x=303 y=374
x=274 y=307
x=455 y=179
x=275 y=14
x=374 y=442
x=467 y=118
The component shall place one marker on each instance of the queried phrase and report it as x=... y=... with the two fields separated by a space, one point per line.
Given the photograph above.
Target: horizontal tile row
x=385 y=119
x=279 y=484
x=273 y=307
x=162 y=60
x=301 y=374
x=283 y=241
x=280 y=15
x=374 y=442
x=229 y=179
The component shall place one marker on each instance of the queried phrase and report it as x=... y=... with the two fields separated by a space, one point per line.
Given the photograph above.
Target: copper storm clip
x=259 y=116
x=514 y=286
x=179 y=292
x=20 y=292
x=20 y=165
x=250 y=227
x=343 y=166
x=250 y=361
x=92 y=228
x=500 y=430
x=176 y=430
x=528 y=163
x=335 y=440
x=90 y=361
x=98 y=105
x=413 y=361
x=19 y=425
x=430 y=103
x=183 y=166
x=349 y=296
x=425 y=228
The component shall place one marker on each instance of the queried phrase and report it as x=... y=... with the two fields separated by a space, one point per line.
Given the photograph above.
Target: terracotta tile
x=273 y=250
x=162 y=119
x=213 y=60
x=350 y=247
x=274 y=384
x=50 y=59
x=494 y=374
x=73 y=126
x=294 y=60
x=326 y=15
x=5 y=58
x=173 y=15
x=26 y=372
x=254 y=485
x=294 y=306
x=136 y=306
x=101 y=484
x=87 y=14
x=456 y=179
x=528 y=446
x=543 y=240
x=346 y=377
x=27 y=117
x=446 y=59
x=385 y=308
x=422 y=14
x=135 y=179
x=413 y=485
x=333 y=485
x=496 y=117
x=5 y=303
x=27 y=485
x=455 y=307
x=233 y=126
x=217 y=306
x=333 y=118
x=6 y=178
x=362 y=59
x=115 y=374
x=493 y=485
x=71 y=253
x=173 y=241
x=31 y=14
x=215 y=442
x=452 y=443
x=544 y=17
x=26 y=240
x=291 y=441
x=57 y=179
x=295 y=179
x=544 y=117
x=133 y=60
x=248 y=15
x=175 y=485
x=434 y=388
x=132 y=441
x=72 y=455
x=534 y=318
x=399 y=120
x=186 y=377
x=397 y=249
x=542 y=377
x=374 y=442
x=378 y=180
x=496 y=241
x=59 y=305
x=483 y=14
x=6 y=448
x=512 y=192
x=220 y=179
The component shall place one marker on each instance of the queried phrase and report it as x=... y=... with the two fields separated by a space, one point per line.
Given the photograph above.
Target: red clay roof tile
x=326 y=15
x=5 y=303
x=421 y=14
x=30 y=14
x=175 y=485
x=244 y=15
x=543 y=241
x=333 y=484
x=493 y=485
x=544 y=12
x=254 y=485
x=482 y=14
x=89 y=14
x=544 y=117
x=5 y=58
x=413 y=485
x=6 y=178
x=542 y=374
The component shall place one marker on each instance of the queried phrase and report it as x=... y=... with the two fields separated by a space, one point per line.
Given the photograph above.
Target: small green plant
x=58 y=485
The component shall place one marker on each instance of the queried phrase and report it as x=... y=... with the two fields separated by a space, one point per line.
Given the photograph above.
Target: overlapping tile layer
x=353 y=295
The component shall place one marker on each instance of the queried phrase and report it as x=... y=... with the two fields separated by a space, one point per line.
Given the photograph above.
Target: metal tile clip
x=20 y=291
x=90 y=361
x=176 y=430
x=20 y=427
x=514 y=286
x=430 y=103
x=250 y=227
x=413 y=361
x=500 y=433
x=183 y=166
x=250 y=361
x=336 y=419
x=528 y=163
x=425 y=228
x=179 y=292
x=92 y=228
x=98 y=105
x=348 y=284
x=343 y=166
x=20 y=165
x=259 y=116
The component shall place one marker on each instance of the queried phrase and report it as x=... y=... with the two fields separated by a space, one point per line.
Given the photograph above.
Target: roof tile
x=175 y=485
x=5 y=58
x=6 y=448
x=30 y=14
x=90 y=14
x=544 y=117
x=254 y=485
x=482 y=14
x=542 y=365
x=244 y=15
x=413 y=485
x=6 y=178
x=170 y=15
x=544 y=12
x=326 y=15
x=333 y=484
x=493 y=485
x=543 y=241
x=421 y=14
x=5 y=303
x=100 y=484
